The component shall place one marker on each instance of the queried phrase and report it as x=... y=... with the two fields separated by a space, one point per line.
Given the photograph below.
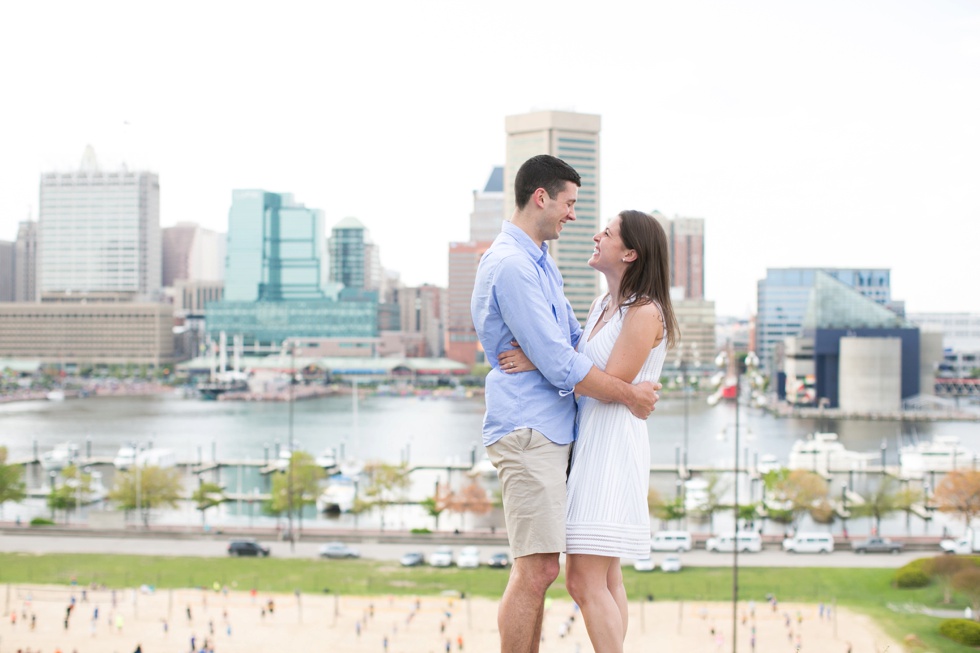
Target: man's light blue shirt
x=518 y=296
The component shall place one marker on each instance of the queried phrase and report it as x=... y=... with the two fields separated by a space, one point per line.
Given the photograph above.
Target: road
x=217 y=546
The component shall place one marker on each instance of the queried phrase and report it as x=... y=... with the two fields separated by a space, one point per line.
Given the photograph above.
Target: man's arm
x=640 y=398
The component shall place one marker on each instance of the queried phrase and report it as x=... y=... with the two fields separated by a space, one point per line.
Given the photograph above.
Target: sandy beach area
x=243 y=622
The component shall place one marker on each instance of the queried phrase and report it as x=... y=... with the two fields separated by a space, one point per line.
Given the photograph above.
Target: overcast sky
x=842 y=134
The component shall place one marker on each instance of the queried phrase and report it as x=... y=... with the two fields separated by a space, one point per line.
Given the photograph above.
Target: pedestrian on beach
x=530 y=420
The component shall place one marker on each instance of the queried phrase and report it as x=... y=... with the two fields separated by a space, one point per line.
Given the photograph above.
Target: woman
x=627 y=335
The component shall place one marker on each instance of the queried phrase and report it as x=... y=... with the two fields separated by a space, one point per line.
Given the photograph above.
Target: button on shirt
x=518 y=296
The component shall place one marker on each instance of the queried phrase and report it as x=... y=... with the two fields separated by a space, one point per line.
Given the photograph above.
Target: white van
x=809 y=543
x=748 y=541
x=671 y=541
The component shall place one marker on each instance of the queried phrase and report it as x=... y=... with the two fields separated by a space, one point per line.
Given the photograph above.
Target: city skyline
x=826 y=136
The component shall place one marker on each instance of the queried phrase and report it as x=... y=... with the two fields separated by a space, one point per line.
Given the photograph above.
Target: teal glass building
x=276 y=274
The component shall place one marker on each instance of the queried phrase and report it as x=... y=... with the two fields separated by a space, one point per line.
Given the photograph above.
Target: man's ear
x=540 y=197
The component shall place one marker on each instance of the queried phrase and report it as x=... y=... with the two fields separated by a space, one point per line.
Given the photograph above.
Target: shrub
x=41 y=521
x=963 y=631
x=906 y=578
x=420 y=531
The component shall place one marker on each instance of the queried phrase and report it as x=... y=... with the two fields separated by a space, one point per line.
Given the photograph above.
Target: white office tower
x=573 y=138
x=99 y=233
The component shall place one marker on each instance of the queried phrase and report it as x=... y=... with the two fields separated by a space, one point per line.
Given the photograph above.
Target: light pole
x=686 y=383
x=292 y=452
x=750 y=363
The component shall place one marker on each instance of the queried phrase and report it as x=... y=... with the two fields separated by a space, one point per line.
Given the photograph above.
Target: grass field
x=866 y=590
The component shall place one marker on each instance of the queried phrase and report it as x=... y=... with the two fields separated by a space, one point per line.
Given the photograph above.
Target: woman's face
x=609 y=252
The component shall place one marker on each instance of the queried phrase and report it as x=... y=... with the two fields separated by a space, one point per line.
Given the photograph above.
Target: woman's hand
x=514 y=360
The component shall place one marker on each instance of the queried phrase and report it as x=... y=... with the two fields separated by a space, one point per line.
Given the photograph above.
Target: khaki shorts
x=532 y=472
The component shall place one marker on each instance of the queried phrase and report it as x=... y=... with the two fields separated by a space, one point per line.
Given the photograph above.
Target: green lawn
x=866 y=590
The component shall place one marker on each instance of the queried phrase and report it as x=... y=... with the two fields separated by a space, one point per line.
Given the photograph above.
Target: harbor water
x=441 y=435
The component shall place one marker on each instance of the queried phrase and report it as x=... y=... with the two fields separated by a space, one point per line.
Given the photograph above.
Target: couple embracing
x=566 y=404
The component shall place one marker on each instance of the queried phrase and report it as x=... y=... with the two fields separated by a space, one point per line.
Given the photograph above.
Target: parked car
x=499 y=560
x=748 y=542
x=412 y=559
x=468 y=558
x=671 y=541
x=969 y=543
x=338 y=550
x=671 y=564
x=644 y=564
x=441 y=557
x=247 y=548
x=877 y=545
x=809 y=543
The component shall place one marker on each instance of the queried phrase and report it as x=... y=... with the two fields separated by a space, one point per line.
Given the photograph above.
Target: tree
x=11 y=480
x=386 y=484
x=145 y=488
x=305 y=476
x=74 y=489
x=959 y=492
x=665 y=511
x=905 y=500
x=472 y=498
x=206 y=496
x=437 y=503
x=712 y=500
x=883 y=500
x=945 y=567
x=967 y=581
x=795 y=491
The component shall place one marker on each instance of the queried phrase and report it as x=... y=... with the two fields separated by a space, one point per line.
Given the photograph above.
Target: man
x=530 y=419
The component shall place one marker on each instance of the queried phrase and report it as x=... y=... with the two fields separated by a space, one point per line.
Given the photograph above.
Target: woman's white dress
x=607 y=511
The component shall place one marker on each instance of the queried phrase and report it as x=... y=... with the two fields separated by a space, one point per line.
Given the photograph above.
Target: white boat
x=943 y=453
x=483 y=468
x=823 y=453
x=338 y=496
x=61 y=456
x=56 y=395
x=768 y=463
x=696 y=497
x=127 y=457
x=327 y=459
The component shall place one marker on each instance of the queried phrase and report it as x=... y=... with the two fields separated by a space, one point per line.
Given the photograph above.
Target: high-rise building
x=276 y=278
x=355 y=261
x=25 y=261
x=784 y=297
x=99 y=232
x=192 y=253
x=462 y=343
x=488 y=208
x=8 y=271
x=275 y=248
x=574 y=138
x=421 y=314
x=685 y=238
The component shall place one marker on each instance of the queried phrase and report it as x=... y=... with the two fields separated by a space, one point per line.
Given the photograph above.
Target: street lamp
x=686 y=382
x=292 y=452
x=749 y=364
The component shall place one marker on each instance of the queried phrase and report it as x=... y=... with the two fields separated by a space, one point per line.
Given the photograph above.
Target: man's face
x=558 y=211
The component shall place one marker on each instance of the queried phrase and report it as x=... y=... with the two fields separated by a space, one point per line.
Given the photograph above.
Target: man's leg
x=522 y=606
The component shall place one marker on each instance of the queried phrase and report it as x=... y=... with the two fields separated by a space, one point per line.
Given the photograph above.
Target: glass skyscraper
x=786 y=293
x=276 y=277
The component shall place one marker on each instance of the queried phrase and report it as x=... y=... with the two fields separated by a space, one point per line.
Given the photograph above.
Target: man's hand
x=645 y=396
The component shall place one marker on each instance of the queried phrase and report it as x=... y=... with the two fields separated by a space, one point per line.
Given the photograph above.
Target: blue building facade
x=784 y=295
x=276 y=277
x=826 y=356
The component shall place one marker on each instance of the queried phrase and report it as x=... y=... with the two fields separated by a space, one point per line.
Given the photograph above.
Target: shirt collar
x=524 y=241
